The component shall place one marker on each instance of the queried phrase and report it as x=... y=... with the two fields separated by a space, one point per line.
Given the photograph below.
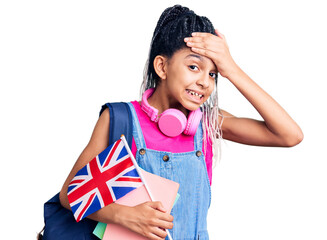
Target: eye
x=193 y=67
x=213 y=75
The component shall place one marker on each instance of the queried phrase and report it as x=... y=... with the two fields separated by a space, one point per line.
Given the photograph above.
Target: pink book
x=162 y=189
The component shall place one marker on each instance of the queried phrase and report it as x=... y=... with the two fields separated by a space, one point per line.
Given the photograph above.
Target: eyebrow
x=196 y=56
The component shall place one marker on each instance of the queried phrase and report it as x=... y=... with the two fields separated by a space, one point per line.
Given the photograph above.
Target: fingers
x=204 y=41
x=162 y=215
x=198 y=45
x=150 y=219
x=157 y=205
x=207 y=39
x=158 y=226
x=157 y=221
x=219 y=34
x=200 y=34
x=165 y=224
x=207 y=44
x=201 y=43
x=215 y=48
x=205 y=34
x=157 y=234
x=204 y=52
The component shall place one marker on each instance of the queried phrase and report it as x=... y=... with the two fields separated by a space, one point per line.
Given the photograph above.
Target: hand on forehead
x=214 y=47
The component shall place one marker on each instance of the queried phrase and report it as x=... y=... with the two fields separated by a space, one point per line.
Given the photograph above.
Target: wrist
x=234 y=73
x=120 y=214
x=112 y=213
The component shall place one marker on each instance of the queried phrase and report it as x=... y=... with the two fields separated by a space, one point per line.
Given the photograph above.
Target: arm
x=147 y=219
x=277 y=129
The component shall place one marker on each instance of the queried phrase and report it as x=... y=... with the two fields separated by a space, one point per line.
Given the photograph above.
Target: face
x=190 y=79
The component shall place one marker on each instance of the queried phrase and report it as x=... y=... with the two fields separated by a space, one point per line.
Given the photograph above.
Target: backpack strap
x=60 y=222
x=120 y=121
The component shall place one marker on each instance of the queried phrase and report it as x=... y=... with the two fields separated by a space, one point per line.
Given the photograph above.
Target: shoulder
x=104 y=118
x=100 y=135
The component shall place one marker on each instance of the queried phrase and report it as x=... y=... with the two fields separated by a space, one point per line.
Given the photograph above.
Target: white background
x=61 y=60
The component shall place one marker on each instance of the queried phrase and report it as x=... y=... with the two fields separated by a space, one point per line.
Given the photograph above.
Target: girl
x=186 y=55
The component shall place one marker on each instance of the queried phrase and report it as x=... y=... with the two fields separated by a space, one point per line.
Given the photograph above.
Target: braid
x=168 y=15
x=174 y=24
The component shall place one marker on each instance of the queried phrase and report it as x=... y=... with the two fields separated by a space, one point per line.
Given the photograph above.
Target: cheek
x=179 y=77
x=210 y=90
x=212 y=86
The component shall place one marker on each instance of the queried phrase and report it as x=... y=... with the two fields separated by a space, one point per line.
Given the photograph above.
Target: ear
x=160 y=66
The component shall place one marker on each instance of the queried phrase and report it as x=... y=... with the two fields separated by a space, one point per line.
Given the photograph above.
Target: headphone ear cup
x=193 y=122
x=172 y=122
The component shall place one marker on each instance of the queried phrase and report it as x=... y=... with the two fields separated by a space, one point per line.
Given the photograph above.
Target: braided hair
x=174 y=24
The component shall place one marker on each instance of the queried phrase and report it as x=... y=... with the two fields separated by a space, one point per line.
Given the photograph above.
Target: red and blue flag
x=106 y=178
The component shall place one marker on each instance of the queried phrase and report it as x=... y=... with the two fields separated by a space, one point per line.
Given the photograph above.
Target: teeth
x=194 y=93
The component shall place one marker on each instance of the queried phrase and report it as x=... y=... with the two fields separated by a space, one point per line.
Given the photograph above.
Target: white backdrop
x=61 y=60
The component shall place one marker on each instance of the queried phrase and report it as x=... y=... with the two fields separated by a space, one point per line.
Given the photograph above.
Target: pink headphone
x=171 y=122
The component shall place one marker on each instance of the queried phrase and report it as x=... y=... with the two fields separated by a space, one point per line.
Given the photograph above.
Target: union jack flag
x=106 y=178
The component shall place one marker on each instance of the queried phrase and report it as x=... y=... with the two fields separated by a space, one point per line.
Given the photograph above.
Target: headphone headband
x=172 y=122
x=149 y=110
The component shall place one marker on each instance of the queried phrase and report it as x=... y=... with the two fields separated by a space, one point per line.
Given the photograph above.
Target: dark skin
x=277 y=128
x=148 y=219
x=194 y=69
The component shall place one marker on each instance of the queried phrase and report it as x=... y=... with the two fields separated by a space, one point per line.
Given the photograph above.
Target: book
x=101 y=227
x=162 y=189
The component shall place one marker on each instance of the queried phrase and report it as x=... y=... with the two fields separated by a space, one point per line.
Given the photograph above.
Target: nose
x=204 y=81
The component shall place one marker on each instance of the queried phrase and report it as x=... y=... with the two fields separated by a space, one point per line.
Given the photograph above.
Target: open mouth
x=194 y=94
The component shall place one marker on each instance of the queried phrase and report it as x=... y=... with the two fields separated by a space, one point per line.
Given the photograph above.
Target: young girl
x=185 y=57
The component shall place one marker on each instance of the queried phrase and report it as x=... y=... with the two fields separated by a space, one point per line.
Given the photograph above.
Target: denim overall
x=189 y=170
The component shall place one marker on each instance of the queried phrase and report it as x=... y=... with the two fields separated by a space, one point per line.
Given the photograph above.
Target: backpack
x=59 y=221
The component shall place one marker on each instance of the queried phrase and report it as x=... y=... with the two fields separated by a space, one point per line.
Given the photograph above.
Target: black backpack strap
x=120 y=121
x=60 y=222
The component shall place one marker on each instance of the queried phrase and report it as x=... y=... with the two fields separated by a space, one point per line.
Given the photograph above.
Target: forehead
x=187 y=54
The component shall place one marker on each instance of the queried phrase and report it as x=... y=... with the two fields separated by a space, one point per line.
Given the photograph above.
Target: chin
x=191 y=106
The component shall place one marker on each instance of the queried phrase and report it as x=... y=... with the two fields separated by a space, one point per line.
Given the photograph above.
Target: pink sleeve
x=208 y=158
x=134 y=148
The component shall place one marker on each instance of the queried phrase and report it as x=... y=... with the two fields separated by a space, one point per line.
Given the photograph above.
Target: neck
x=162 y=101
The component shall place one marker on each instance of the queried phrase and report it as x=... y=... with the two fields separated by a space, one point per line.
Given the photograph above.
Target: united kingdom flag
x=106 y=178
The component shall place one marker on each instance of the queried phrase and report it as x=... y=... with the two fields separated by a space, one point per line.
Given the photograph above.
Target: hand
x=148 y=219
x=215 y=48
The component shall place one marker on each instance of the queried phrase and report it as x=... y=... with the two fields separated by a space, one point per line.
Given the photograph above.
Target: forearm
x=108 y=214
x=275 y=117
x=148 y=219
